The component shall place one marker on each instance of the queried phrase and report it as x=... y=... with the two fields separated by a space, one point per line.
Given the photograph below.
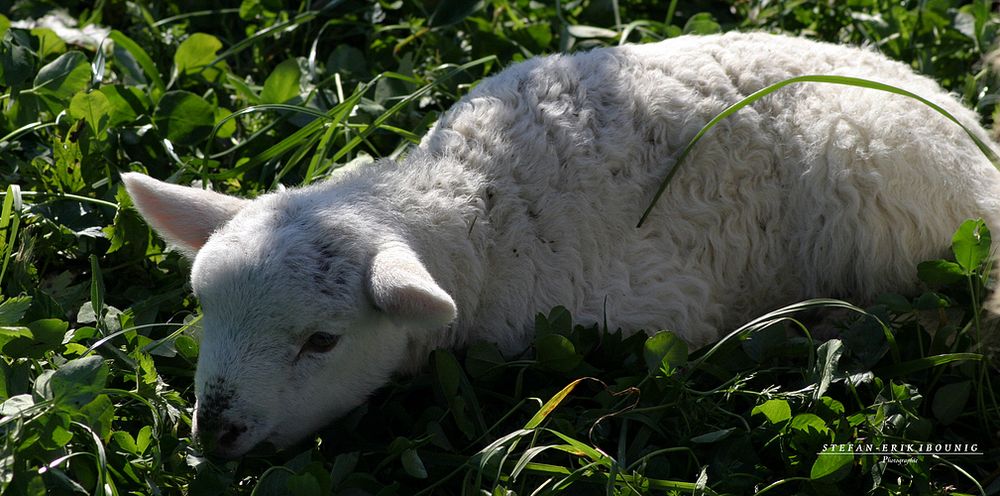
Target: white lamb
x=525 y=196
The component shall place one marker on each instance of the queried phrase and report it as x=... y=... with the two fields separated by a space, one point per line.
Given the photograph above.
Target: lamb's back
x=816 y=190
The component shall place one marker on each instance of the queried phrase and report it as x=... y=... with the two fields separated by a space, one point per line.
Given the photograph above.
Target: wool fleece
x=525 y=195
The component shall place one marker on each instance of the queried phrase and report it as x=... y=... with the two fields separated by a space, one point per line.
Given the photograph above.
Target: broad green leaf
x=127 y=103
x=125 y=441
x=930 y=301
x=450 y=12
x=54 y=430
x=702 y=23
x=348 y=61
x=949 y=401
x=187 y=346
x=971 y=244
x=283 y=83
x=828 y=356
x=46 y=335
x=450 y=379
x=664 y=350
x=100 y=412
x=195 y=53
x=4 y=25
x=940 y=272
x=10 y=333
x=343 y=466
x=49 y=43
x=183 y=117
x=775 y=410
x=250 y=9
x=412 y=463
x=831 y=464
x=35 y=486
x=79 y=381
x=94 y=107
x=143 y=438
x=63 y=77
x=483 y=358
x=13 y=309
x=128 y=230
x=228 y=126
x=304 y=485
x=896 y=302
x=559 y=321
x=807 y=422
x=556 y=352
x=16 y=404
x=147 y=368
x=18 y=64
x=448 y=372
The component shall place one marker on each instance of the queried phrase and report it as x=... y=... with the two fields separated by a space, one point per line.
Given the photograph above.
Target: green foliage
x=98 y=329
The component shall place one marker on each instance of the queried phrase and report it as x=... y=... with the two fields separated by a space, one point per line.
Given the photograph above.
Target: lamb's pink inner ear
x=184 y=216
x=401 y=287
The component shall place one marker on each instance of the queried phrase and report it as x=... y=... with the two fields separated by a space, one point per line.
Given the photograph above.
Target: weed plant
x=98 y=329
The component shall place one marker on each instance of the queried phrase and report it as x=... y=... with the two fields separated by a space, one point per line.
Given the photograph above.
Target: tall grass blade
x=97 y=293
x=406 y=101
x=141 y=57
x=10 y=220
x=27 y=128
x=782 y=313
x=295 y=139
x=916 y=365
x=550 y=405
x=842 y=80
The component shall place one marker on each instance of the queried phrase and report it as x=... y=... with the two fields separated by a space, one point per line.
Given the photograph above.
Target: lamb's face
x=290 y=338
x=303 y=316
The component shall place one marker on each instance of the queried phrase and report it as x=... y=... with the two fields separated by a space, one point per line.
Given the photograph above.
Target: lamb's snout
x=218 y=434
x=217 y=428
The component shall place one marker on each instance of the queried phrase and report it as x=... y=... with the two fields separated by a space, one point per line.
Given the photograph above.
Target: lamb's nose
x=217 y=434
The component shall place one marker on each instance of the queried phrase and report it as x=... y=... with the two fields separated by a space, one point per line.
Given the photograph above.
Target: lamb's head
x=307 y=309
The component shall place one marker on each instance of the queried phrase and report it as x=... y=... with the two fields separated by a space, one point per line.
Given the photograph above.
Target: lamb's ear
x=184 y=216
x=401 y=287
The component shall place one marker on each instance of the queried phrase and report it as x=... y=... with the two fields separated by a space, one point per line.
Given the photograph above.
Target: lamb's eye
x=321 y=342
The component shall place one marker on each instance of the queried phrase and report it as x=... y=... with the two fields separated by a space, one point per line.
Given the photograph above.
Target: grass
x=98 y=327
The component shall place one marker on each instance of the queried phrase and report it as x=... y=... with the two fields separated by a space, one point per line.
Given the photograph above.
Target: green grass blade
x=782 y=313
x=27 y=128
x=290 y=24
x=141 y=57
x=406 y=101
x=101 y=458
x=97 y=293
x=295 y=139
x=10 y=220
x=550 y=405
x=909 y=367
x=526 y=457
x=188 y=15
x=842 y=80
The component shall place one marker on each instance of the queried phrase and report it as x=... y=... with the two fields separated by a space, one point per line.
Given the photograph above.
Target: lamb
x=525 y=195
